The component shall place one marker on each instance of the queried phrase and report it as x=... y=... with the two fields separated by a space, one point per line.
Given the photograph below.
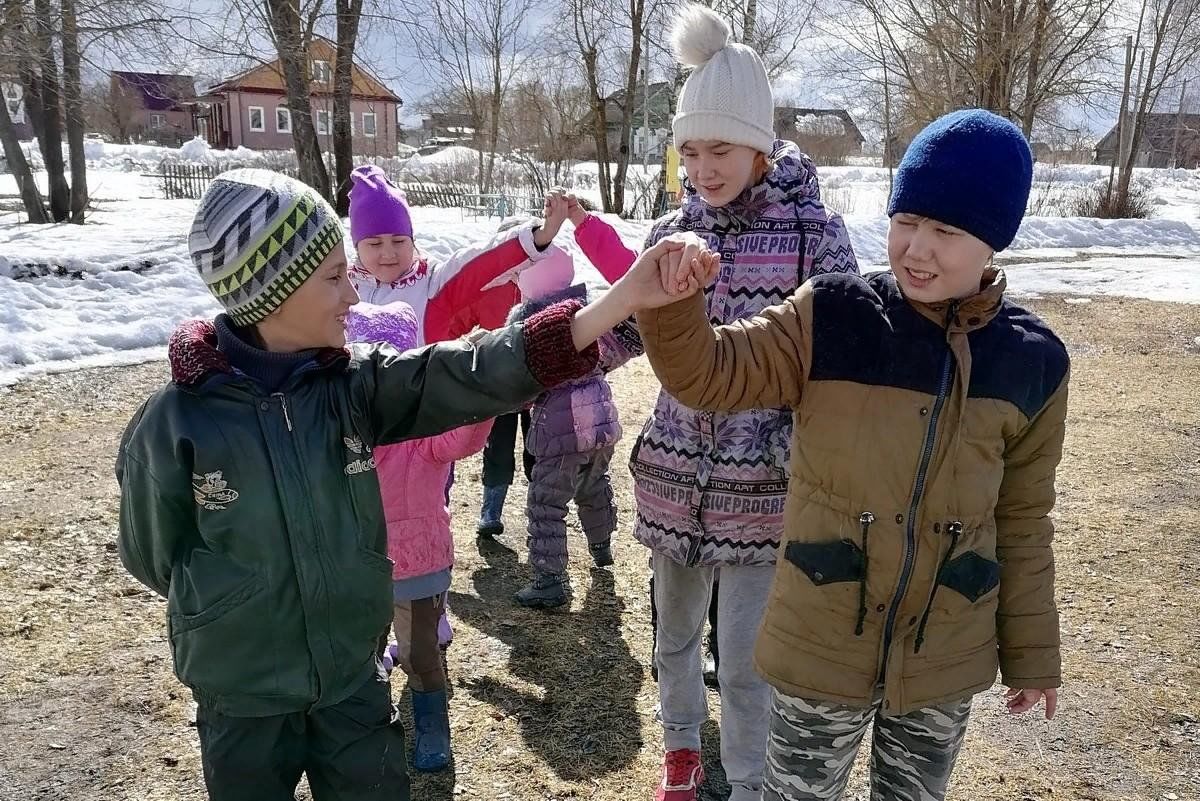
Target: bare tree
x=542 y=125
x=607 y=43
x=349 y=13
x=1015 y=57
x=31 y=198
x=776 y=29
x=475 y=49
x=1168 y=36
x=50 y=92
x=73 y=104
x=292 y=28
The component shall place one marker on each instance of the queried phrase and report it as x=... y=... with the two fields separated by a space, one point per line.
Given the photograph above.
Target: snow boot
x=491 y=521
x=602 y=554
x=431 y=719
x=546 y=591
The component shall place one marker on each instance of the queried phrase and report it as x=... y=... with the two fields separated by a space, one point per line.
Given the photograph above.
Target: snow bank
x=112 y=291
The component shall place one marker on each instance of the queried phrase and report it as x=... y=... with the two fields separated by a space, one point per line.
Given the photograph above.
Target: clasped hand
x=674 y=268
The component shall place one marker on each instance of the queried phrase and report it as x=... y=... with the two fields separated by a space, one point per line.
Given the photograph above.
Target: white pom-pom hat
x=727 y=97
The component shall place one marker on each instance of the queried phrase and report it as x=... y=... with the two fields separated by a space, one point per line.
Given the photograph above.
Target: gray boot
x=546 y=591
x=491 y=513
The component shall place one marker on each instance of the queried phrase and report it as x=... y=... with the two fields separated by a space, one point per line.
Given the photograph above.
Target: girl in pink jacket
x=420 y=543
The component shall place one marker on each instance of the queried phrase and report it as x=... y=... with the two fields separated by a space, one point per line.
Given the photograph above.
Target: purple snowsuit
x=573 y=433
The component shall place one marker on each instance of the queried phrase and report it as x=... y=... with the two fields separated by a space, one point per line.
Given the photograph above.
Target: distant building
x=650 y=124
x=250 y=109
x=828 y=135
x=1167 y=140
x=152 y=106
x=447 y=128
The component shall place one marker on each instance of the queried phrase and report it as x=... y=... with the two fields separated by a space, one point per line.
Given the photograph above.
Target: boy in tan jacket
x=929 y=417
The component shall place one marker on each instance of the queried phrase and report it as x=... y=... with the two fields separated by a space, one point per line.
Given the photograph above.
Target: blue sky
x=389 y=55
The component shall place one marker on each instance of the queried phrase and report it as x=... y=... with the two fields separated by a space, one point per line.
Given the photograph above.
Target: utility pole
x=1178 y=126
x=1122 y=116
x=646 y=102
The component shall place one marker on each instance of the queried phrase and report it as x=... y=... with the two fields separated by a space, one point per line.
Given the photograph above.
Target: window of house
x=322 y=72
x=369 y=124
x=283 y=120
x=258 y=118
x=323 y=123
x=158 y=121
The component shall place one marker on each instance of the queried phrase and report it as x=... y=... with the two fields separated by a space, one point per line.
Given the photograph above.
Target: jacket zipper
x=910 y=545
x=864 y=521
x=955 y=530
x=287 y=418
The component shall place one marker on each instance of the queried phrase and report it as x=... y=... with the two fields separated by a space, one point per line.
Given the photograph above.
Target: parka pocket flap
x=827 y=562
x=970 y=575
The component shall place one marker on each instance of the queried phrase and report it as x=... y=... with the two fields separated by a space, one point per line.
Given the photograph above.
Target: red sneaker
x=682 y=776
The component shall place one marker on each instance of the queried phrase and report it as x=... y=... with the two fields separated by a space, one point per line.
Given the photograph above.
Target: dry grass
x=561 y=705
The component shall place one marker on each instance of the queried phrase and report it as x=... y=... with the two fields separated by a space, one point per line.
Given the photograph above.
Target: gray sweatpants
x=555 y=482
x=813 y=744
x=682 y=596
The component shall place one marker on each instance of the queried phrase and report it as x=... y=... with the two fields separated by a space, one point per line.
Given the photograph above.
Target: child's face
x=386 y=257
x=314 y=316
x=720 y=171
x=935 y=262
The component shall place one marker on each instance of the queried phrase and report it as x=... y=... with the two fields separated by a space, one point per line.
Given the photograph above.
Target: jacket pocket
x=181 y=623
x=970 y=575
x=376 y=561
x=827 y=562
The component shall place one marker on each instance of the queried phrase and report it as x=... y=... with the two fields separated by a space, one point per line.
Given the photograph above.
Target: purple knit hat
x=394 y=323
x=377 y=206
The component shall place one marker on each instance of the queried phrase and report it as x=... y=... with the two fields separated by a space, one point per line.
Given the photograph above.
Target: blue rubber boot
x=491 y=523
x=431 y=718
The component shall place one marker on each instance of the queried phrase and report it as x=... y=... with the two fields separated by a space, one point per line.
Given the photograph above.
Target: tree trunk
x=349 y=13
x=599 y=129
x=19 y=167
x=60 y=191
x=636 y=14
x=1030 y=108
x=749 y=21
x=292 y=47
x=493 y=124
x=73 y=97
x=1141 y=109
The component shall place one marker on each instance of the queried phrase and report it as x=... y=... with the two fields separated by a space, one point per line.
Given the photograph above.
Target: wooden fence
x=184 y=181
x=179 y=180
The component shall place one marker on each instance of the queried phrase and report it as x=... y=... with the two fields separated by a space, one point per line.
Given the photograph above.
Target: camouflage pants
x=812 y=745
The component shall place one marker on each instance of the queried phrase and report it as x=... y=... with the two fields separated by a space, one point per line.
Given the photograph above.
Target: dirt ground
x=561 y=705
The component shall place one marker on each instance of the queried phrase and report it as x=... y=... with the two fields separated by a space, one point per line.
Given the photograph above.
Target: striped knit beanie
x=257 y=236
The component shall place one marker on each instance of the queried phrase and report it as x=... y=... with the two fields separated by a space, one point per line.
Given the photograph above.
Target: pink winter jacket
x=413 y=477
x=603 y=247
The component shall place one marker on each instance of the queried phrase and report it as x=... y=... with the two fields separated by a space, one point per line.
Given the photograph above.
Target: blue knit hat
x=971 y=169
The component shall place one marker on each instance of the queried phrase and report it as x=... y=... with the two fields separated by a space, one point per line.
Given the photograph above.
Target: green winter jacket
x=259 y=517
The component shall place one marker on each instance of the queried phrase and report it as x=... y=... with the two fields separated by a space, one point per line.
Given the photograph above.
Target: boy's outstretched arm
x=424 y=392
x=761 y=362
x=1027 y=618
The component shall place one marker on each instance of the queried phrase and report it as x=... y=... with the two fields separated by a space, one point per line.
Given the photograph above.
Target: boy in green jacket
x=249 y=498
